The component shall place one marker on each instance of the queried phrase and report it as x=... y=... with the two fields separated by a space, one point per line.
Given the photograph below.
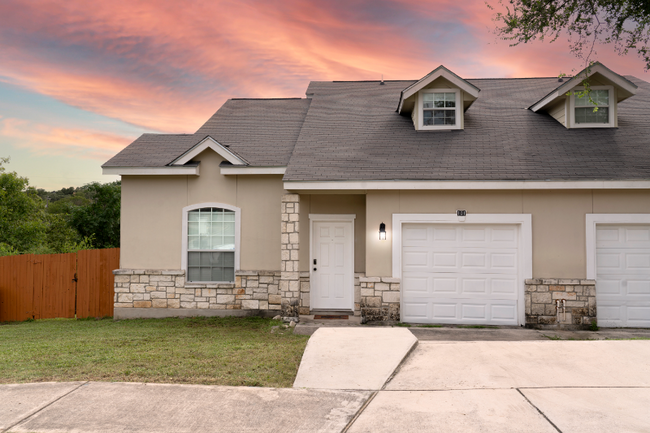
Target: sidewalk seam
x=401 y=363
x=359 y=412
x=538 y=410
x=44 y=407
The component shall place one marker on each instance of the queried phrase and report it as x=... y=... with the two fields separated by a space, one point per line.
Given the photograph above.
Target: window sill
x=209 y=284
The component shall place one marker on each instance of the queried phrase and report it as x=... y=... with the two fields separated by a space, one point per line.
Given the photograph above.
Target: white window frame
x=458 y=110
x=525 y=250
x=611 y=108
x=184 y=251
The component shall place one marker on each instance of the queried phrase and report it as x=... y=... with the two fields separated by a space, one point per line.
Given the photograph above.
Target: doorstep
x=309 y=324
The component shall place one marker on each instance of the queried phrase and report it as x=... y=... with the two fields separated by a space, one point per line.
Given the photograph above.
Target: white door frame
x=323 y=218
x=594 y=219
x=525 y=250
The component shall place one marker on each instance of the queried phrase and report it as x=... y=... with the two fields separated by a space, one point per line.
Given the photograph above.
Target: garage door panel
x=458 y=311
x=608 y=286
x=637 y=261
x=472 y=273
x=416 y=258
x=442 y=261
x=503 y=261
x=638 y=287
x=416 y=310
x=474 y=312
x=444 y=311
x=444 y=286
x=501 y=312
x=623 y=275
x=634 y=236
x=609 y=262
x=637 y=234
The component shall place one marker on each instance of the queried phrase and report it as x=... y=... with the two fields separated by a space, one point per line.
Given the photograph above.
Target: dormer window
x=440 y=109
x=438 y=101
x=583 y=108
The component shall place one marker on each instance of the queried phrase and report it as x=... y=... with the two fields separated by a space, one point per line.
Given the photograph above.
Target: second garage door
x=623 y=275
x=460 y=273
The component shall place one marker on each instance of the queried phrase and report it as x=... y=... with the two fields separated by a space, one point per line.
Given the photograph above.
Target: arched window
x=211 y=241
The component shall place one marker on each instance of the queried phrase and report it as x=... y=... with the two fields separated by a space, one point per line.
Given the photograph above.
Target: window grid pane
x=211 y=245
x=207 y=226
x=439 y=108
x=211 y=266
x=587 y=115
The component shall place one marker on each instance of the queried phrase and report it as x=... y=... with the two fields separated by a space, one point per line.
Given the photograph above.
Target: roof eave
x=564 y=88
x=440 y=71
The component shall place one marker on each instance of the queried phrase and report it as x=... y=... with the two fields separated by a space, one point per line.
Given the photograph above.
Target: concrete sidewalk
x=156 y=408
x=436 y=385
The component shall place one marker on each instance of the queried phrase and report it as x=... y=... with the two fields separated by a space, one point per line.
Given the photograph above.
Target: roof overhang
x=373 y=185
x=209 y=143
x=186 y=170
x=440 y=71
x=232 y=170
x=628 y=88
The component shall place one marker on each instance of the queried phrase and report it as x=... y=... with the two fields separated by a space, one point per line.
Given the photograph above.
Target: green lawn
x=211 y=351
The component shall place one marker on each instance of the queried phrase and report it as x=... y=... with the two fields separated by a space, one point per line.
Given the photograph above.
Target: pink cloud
x=168 y=65
x=50 y=140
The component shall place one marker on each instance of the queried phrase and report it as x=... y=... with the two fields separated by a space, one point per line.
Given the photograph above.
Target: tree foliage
x=22 y=213
x=41 y=222
x=623 y=23
x=100 y=218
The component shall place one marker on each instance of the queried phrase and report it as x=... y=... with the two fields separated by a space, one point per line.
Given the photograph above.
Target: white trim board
x=330 y=217
x=252 y=170
x=525 y=242
x=463 y=185
x=192 y=170
x=592 y=220
x=440 y=71
x=209 y=143
x=561 y=90
x=186 y=211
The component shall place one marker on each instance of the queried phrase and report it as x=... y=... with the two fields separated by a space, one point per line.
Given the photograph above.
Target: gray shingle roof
x=352 y=132
x=262 y=131
x=153 y=150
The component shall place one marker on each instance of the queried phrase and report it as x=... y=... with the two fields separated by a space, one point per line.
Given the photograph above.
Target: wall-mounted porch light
x=382 y=232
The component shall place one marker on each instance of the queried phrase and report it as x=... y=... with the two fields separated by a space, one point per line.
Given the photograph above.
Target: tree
x=22 y=213
x=623 y=23
x=101 y=218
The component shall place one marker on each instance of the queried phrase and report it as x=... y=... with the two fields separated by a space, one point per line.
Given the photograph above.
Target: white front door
x=465 y=273
x=332 y=264
x=623 y=275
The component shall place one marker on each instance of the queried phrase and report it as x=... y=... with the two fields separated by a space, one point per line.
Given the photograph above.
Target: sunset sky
x=80 y=80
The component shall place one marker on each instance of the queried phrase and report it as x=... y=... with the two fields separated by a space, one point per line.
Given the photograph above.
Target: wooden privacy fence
x=58 y=285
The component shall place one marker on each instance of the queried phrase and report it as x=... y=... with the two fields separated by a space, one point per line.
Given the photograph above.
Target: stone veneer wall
x=379 y=299
x=252 y=290
x=541 y=296
x=290 y=246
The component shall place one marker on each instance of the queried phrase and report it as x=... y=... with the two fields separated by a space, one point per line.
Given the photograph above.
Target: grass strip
x=210 y=351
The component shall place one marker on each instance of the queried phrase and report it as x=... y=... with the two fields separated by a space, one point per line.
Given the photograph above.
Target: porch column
x=290 y=245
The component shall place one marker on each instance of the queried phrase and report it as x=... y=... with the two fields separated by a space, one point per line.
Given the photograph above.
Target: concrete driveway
x=377 y=380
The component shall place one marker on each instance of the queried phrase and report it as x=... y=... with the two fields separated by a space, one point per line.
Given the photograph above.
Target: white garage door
x=466 y=274
x=623 y=275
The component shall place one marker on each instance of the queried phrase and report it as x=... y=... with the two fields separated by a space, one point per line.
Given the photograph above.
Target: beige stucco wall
x=558 y=221
x=334 y=204
x=152 y=215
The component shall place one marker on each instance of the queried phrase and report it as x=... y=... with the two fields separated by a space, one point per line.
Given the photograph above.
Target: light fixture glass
x=382 y=232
